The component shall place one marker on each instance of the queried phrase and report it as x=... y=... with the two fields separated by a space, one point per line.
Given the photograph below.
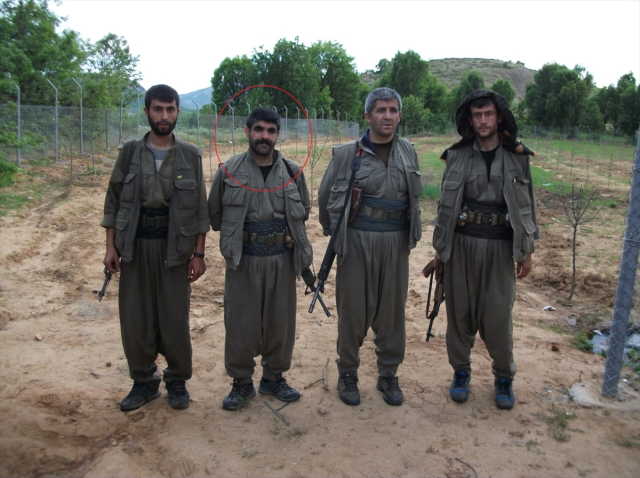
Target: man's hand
x=524 y=267
x=438 y=267
x=112 y=257
x=195 y=269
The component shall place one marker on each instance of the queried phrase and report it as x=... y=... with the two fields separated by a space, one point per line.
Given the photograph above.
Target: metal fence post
x=120 y=127
x=81 y=131
x=56 y=118
x=233 y=127
x=624 y=291
x=198 y=120
x=18 y=127
x=286 y=118
x=138 y=110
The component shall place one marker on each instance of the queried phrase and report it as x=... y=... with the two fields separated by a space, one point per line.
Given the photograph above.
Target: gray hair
x=385 y=94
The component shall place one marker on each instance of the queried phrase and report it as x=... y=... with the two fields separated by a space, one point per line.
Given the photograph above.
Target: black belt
x=265 y=239
x=477 y=217
x=382 y=214
x=153 y=221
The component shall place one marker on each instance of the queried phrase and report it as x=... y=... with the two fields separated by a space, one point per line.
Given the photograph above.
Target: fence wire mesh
x=627 y=280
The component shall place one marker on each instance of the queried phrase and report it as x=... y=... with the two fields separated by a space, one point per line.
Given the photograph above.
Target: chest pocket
x=128 y=188
x=187 y=192
x=234 y=192
x=293 y=201
x=521 y=188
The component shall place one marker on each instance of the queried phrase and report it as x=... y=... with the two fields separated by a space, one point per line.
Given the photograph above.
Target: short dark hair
x=162 y=93
x=263 y=114
x=481 y=102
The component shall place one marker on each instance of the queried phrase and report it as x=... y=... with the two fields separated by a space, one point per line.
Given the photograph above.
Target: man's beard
x=254 y=147
x=155 y=127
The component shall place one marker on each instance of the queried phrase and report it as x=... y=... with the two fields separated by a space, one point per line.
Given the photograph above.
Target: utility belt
x=266 y=238
x=251 y=238
x=382 y=214
x=477 y=220
x=153 y=223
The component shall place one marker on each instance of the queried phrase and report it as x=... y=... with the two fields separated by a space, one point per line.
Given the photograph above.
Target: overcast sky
x=181 y=43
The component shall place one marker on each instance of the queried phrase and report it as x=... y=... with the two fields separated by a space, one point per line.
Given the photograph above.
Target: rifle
x=438 y=297
x=310 y=279
x=330 y=255
x=103 y=291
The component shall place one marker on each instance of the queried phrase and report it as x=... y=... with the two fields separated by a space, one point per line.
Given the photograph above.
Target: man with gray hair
x=376 y=181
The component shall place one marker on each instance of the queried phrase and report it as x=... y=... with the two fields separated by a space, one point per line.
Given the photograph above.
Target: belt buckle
x=253 y=238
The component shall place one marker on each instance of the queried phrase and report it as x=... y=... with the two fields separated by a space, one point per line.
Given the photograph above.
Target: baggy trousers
x=371 y=292
x=154 y=313
x=260 y=315
x=480 y=284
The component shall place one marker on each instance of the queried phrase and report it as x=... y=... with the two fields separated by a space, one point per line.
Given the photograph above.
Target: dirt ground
x=63 y=371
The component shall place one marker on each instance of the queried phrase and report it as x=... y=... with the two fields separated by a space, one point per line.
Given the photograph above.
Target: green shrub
x=8 y=173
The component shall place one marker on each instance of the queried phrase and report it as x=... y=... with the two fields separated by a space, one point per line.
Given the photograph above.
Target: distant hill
x=202 y=97
x=450 y=70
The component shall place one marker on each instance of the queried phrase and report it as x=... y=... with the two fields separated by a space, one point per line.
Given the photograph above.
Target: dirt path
x=63 y=374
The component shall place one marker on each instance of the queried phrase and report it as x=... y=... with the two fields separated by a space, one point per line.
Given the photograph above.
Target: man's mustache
x=264 y=141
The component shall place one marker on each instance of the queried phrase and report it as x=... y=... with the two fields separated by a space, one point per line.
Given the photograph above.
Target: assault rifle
x=330 y=255
x=103 y=291
x=438 y=297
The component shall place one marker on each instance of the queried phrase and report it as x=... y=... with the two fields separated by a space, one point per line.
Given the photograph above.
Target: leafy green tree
x=629 y=113
x=503 y=87
x=558 y=97
x=111 y=71
x=383 y=65
x=232 y=76
x=608 y=100
x=413 y=114
x=338 y=74
x=407 y=74
x=31 y=52
x=291 y=67
x=470 y=82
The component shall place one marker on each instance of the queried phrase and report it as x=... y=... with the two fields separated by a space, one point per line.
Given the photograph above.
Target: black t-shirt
x=489 y=156
x=266 y=170
x=383 y=150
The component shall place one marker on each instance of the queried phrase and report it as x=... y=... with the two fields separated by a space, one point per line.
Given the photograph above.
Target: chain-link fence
x=105 y=129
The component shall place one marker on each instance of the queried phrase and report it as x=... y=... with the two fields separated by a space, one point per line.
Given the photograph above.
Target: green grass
x=581 y=342
x=11 y=202
x=430 y=191
x=557 y=421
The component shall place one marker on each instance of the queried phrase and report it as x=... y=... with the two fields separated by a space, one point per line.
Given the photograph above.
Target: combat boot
x=178 y=395
x=280 y=388
x=459 y=389
x=240 y=393
x=390 y=388
x=141 y=393
x=348 y=388
x=504 y=393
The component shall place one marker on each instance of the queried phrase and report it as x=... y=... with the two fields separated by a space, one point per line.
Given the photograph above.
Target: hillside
x=450 y=70
x=202 y=97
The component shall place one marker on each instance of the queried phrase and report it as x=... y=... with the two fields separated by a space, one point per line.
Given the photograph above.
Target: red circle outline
x=215 y=142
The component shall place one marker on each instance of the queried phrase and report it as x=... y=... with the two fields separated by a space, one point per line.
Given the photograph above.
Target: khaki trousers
x=154 y=313
x=480 y=286
x=371 y=292
x=260 y=315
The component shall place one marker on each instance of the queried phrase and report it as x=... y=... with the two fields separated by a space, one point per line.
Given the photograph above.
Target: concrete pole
x=81 y=130
x=233 y=127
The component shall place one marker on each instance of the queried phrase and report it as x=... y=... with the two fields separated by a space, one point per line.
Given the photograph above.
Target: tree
x=232 y=76
x=290 y=66
x=470 y=82
x=31 y=52
x=629 y=112
x=413 y=115
x=338 y=74
x=507 y=91
x=407 y=74
x=558 y=97
x=111 y=71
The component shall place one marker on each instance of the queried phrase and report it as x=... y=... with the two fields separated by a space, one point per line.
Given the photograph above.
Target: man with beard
x=259 y=202
x=486 y=221
x=373 y=246
x=156 y=218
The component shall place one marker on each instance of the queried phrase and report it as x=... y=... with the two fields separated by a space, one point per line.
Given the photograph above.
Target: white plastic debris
x=549 y=307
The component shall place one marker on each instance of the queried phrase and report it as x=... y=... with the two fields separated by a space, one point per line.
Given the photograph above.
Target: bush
x=8 y=173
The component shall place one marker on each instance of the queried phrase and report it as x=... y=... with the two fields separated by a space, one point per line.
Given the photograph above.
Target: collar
x=146 y=137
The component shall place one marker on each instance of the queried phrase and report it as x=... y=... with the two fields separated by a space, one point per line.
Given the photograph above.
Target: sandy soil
x=63 y=372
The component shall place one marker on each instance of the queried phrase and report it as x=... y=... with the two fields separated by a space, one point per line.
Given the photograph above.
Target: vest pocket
x=226 y=239
x=128 y=188
x=521 y=189
x=294 y=203
x=187 y=191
